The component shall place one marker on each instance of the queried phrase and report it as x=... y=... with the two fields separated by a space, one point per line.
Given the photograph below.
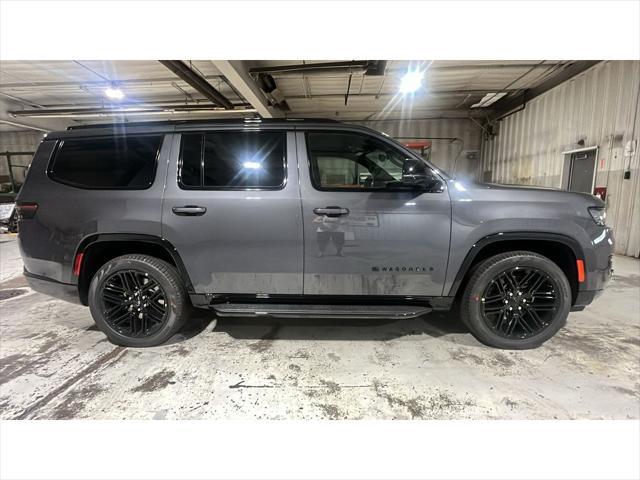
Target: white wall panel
x=600 y=107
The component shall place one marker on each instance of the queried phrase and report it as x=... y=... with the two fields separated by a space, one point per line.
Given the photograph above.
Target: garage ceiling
x=54 y=94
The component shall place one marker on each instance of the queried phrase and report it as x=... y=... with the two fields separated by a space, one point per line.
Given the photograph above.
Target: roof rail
x=202 y=122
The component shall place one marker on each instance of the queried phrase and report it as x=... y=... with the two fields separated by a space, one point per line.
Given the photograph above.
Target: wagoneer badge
x=402 y=269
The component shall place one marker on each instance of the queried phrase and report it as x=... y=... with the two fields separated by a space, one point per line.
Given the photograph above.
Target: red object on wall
x=418 y=145
x=600 y=192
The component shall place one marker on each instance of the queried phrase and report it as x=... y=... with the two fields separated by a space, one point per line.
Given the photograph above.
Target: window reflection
x=350 y=160
x=233 y=160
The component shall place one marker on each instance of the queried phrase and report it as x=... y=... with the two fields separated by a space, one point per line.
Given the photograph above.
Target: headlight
x=598 y=214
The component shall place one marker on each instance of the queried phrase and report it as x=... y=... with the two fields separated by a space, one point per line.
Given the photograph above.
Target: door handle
x=331 y=211
x=189 y=210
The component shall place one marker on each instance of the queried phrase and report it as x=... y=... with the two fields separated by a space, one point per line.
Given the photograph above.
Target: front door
x=232 y=210
x=366 y=234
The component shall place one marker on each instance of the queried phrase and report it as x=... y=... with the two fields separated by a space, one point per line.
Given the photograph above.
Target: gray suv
x=292 y=218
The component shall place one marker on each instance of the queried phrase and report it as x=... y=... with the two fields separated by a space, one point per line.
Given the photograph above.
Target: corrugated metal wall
x=445 y=151
x=26 y=141
x=599 y=107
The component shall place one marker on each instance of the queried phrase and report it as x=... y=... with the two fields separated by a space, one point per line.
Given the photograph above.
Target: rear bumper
x=63 y=291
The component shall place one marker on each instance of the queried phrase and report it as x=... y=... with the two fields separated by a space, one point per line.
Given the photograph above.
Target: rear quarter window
x=115 y=162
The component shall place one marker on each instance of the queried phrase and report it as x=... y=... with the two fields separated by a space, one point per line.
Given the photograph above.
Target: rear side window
x=107 y=162
x=232 y=160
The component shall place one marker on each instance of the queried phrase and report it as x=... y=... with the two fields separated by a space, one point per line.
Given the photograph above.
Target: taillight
x=27 y=210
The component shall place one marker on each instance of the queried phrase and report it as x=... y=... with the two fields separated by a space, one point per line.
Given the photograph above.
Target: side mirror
x=416 y=174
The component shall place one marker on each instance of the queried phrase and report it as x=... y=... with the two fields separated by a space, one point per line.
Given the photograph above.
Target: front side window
x=341 y=160
x=124 y=162
x=232 y=160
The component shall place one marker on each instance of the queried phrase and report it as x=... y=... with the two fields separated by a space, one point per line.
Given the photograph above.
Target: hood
x=533 y=193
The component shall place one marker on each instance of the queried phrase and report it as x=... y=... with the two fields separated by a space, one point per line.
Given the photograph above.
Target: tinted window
x=190 y=169
x=353 y=161
x=233 y=160
x=110 y=162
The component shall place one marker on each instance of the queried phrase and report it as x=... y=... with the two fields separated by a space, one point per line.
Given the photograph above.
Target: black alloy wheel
x=516 y=300
x=134 y=304
x=519 y=302
x=138 y=300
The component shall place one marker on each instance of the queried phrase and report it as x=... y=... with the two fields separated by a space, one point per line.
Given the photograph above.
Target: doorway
x=580 y=170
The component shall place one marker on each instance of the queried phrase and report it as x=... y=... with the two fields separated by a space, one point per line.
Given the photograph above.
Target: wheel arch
x=98 y=249
x=561 y=249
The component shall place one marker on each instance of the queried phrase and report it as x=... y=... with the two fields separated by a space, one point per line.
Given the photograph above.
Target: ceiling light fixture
x=488 y=99
x=411 y=81
x=114 y=93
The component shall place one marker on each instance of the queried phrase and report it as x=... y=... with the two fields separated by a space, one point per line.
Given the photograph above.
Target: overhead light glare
x=114 y=93
x=411 y=81
x=252 y=165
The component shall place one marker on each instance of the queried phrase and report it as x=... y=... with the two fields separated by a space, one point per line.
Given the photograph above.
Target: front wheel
x=516 y=300
x=138 y=300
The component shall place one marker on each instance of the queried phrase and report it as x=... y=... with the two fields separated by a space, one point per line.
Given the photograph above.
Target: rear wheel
x=516 y=300
x=138 y=300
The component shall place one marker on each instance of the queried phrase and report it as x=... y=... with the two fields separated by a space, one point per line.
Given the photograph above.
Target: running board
x=318 y=311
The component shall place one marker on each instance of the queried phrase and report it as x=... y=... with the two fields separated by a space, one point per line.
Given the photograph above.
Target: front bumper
x=604 y=275
x=585 y=297
x=53 y=288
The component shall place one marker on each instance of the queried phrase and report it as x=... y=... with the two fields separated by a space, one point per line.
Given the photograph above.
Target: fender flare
x=573 y=244
x=143 y=238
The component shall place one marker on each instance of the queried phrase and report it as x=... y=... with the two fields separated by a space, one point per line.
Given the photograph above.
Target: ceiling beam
x=23 y=125
x=429 y=93
x=377 y=115
x=493 y=66
x=202 y=102
x=238 y=77
x=6 y=118
x=378 y=67
x=183 y=71
x=21 y=100
x=100 y=83
x=510 y=103
x=313 y=67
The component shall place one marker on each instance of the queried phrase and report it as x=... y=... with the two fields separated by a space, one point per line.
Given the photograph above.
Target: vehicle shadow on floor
x=435 y=324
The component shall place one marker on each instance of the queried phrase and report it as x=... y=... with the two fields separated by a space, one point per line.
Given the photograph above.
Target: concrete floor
x=55 y=364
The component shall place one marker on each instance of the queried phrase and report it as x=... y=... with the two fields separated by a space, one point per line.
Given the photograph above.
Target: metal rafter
x=196 y=81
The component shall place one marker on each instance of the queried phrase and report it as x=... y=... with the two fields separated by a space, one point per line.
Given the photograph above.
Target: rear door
x=364 y=234
x=232 y=210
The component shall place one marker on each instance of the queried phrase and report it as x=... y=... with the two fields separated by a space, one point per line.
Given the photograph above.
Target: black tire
x=496 y=318
x=148 y=328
